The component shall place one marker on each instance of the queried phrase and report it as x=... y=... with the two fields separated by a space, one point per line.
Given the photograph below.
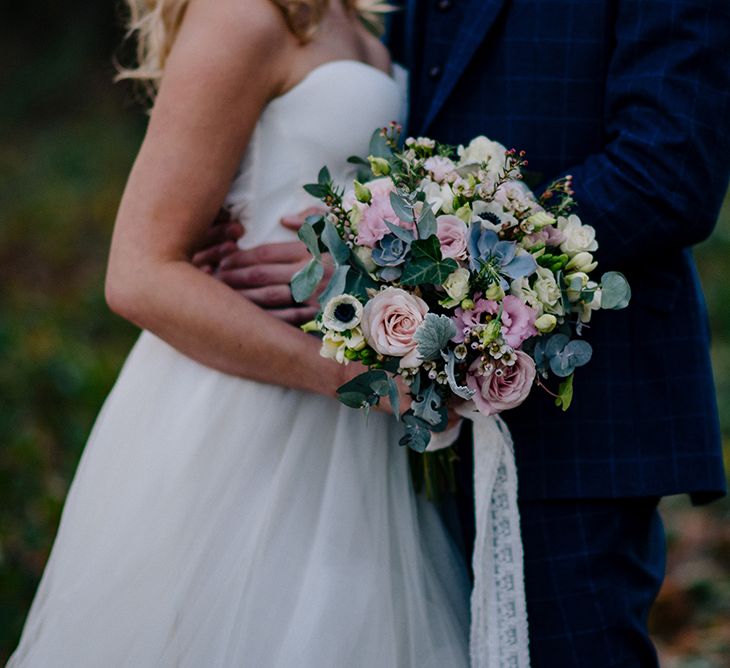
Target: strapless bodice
x=327 y=117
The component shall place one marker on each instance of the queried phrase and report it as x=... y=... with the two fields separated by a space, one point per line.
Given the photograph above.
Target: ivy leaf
x=433 y=334
x=426 y=264
x=336 y=285
x=358 y=283
x=306 y=280
x=418 y=435
x=615 y=291
x=427 y=224
x=335 y=245
x=565 y=393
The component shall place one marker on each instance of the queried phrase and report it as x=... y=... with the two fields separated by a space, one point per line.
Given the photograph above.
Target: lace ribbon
x=499 y=634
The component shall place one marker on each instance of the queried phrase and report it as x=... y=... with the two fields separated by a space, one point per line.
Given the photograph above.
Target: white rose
x=577 y=238
x=439 y=196
x=481 y=149
x=457 y=285
x=548 y=291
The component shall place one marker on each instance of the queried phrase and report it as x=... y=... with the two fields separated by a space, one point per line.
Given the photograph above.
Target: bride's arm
x=220 y=74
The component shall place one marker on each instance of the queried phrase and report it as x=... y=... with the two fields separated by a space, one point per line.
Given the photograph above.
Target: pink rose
x=469 y=319
x=451 y=232
x=499 y=388
x=372 y=227
x=549 y=235
x=518 y=320
x=389 y=321
x=440 y=167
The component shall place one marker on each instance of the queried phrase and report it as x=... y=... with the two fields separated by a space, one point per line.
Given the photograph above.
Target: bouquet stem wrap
x=499 y=633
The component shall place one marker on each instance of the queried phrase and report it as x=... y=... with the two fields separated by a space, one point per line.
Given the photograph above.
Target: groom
x=631 y=97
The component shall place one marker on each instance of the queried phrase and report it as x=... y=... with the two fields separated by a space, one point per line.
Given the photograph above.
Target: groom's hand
x=263 y=273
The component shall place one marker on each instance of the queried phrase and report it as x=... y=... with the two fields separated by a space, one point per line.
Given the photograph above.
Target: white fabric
x=218 y=522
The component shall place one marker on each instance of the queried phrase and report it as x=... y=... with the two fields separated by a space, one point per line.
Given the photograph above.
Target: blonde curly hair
x=154 y=25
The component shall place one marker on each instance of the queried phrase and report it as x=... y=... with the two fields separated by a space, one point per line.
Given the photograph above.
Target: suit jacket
x=631 y=97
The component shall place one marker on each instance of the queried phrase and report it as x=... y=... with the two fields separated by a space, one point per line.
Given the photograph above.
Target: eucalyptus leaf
x=394 y=397
x=306 y=280
x=379 y=146
x=400 y=232
x=353 y=399
x=433 y=334
x=363 y=383
x=418 y=435
x=309 y=238
x=573 y=355
x=339 y=250
x=401 y=208
x=615 y=291
x=336 y=285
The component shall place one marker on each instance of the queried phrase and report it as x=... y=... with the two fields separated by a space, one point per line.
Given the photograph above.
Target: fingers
x=277 y=253
x=258 y=276
x=271 y=296
x=213 y=255
x=295 y=221
x=219 y=233
x=295 y=316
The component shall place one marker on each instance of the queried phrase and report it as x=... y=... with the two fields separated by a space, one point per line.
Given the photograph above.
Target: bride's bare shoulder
x=233 y=39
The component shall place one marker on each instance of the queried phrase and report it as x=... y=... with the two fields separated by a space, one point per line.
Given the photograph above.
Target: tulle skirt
x=215 y=521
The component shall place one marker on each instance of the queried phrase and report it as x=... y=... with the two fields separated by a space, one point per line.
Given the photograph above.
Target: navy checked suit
x=631 y=97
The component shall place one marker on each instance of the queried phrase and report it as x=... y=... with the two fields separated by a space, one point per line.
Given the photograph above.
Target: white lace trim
x=499 y=634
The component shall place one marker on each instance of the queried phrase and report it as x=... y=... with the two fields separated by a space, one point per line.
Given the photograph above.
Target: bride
x=227 y=510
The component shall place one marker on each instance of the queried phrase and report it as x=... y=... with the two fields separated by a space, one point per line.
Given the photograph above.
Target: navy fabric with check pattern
x=633 y=99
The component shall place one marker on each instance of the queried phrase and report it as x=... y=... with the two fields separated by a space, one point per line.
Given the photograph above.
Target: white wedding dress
x=219 y=522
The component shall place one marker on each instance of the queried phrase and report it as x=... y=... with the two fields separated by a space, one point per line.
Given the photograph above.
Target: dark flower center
x=491 y=217
x=344 y=312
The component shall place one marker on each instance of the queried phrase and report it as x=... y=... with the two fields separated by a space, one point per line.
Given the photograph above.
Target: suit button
x=444 y=5
x=435 y=72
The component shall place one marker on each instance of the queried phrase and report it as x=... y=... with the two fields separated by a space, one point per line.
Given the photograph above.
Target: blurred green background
x=67 y=140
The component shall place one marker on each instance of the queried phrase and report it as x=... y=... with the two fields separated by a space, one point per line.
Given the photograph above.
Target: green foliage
x=426 y=264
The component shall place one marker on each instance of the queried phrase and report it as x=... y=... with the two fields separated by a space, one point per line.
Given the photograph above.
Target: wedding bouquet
x=450 y=273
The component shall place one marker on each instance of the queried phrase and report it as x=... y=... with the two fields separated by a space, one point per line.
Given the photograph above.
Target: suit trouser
x=593 y=568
